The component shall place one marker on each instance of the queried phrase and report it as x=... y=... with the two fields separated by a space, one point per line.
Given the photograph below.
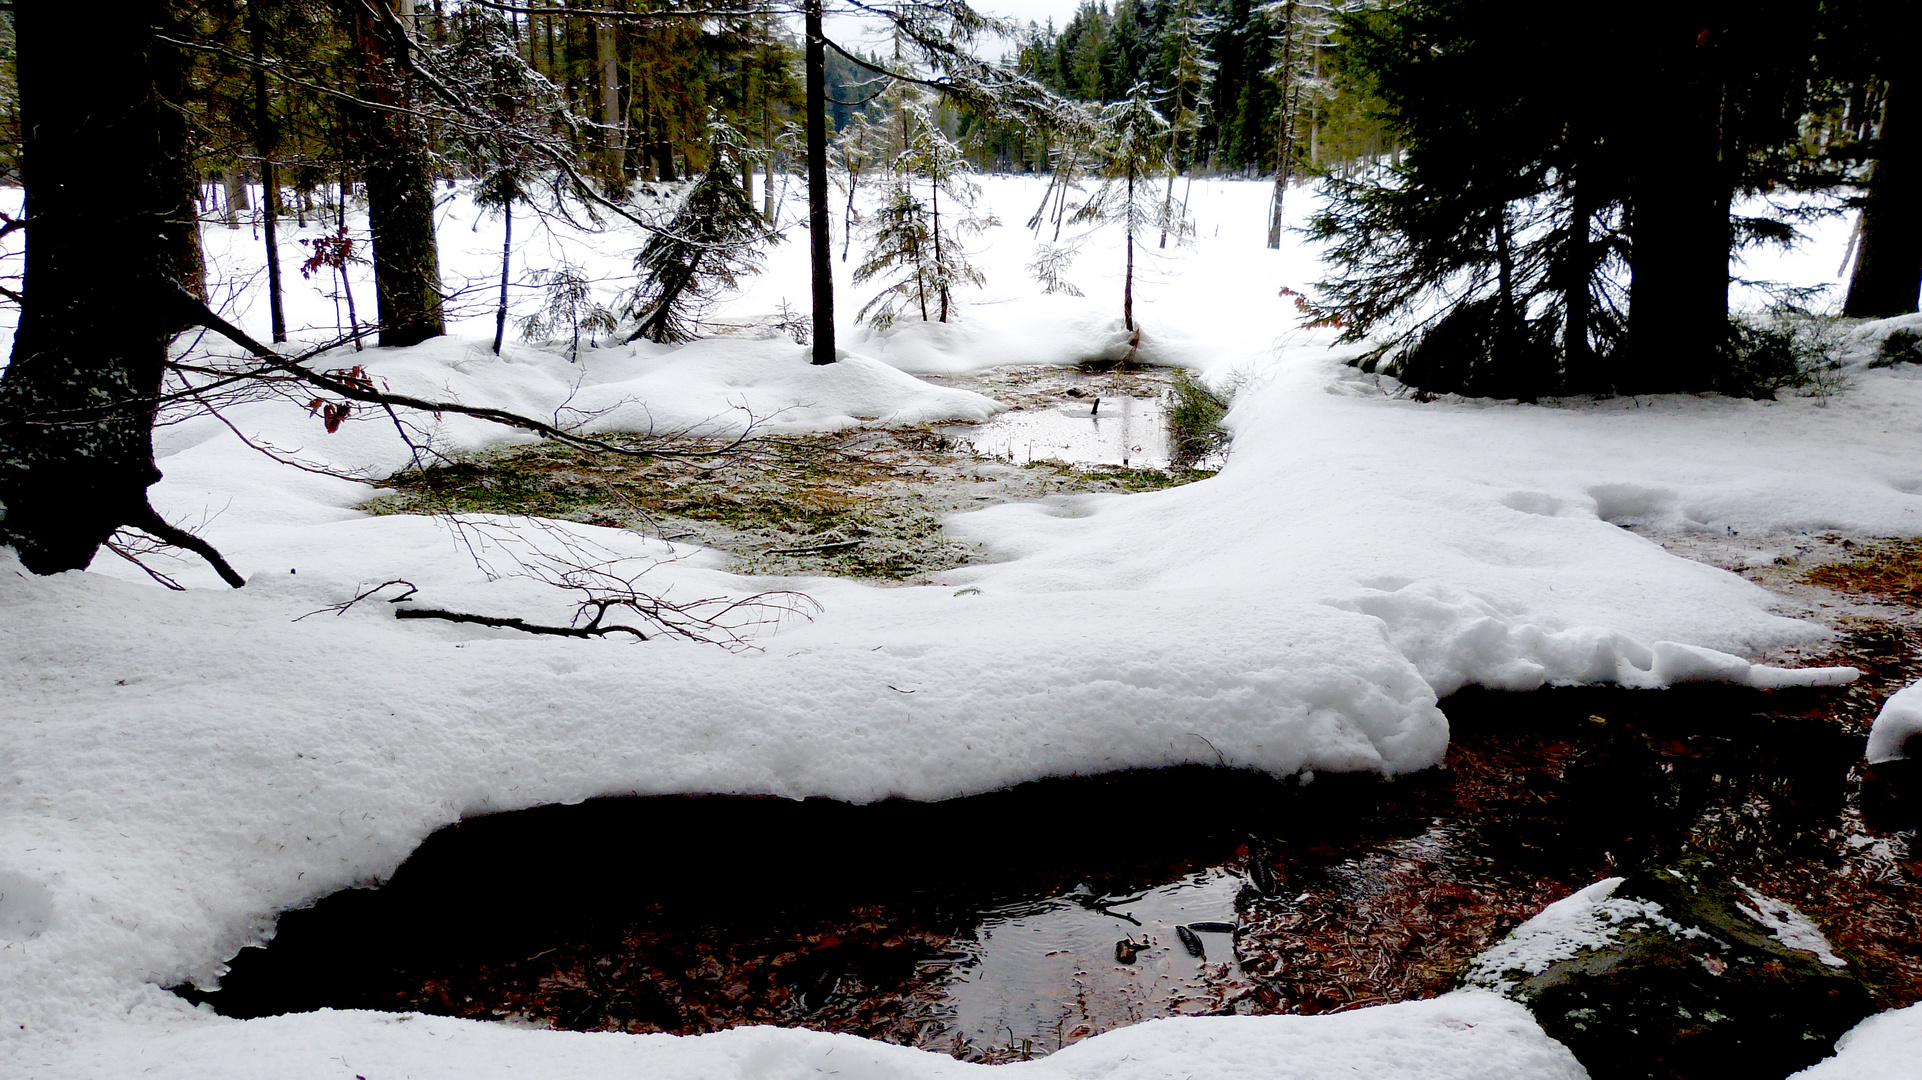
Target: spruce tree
x=914 y=243
x=1133 y=153
x=1495 y=253
x=713 y=239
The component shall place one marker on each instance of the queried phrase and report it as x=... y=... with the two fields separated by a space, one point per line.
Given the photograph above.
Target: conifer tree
x=1888 y=269
x=1133 y=153
x=713 y=239
x=1496 y=251
x=484 y=60
x=854 y=154
x=1185 y=54
x=914 y=242
x=1297 y=31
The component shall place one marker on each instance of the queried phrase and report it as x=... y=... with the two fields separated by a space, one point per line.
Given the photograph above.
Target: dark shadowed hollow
x=993 y=927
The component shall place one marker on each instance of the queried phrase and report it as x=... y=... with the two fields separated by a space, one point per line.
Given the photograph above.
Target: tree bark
x=266 y=140
x=1888 y=269
x=819 y=221
x=1128 y=282
x=108 y=170
x=507 y=260
x=615 y=165
x=1679 y=202
x=395 y=168
x=1284 y=150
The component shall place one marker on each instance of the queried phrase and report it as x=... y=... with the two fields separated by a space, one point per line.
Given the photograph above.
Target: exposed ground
x=1357 y=892
x=861 y=503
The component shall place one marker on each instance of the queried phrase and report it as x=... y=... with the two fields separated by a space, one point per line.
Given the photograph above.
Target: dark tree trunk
x=1128 y=279
x=507 y=262
x=1679 y=231
x=266 y=140
x=1888 y=271
x=1580 y=373
x=395 y=167
x=113 y=241
x=1285 y=151
x=819 y=246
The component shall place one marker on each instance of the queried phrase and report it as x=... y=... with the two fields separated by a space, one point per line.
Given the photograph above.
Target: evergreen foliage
x=915 y=245
x=713 y=239
x=1540 y=237
x=568 y=309
x=1216 y=66
x=1133 y=152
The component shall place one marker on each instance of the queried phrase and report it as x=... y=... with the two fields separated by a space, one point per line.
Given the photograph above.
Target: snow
x=1899 y=720
x=1883 y=1047
x=178 y=768
x=1788 y=926
x=1462 y=1036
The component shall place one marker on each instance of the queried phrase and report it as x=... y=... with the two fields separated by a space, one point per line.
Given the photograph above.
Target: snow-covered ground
x=178 y=767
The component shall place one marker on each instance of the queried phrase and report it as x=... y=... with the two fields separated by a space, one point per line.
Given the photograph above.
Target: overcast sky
x=872 y=34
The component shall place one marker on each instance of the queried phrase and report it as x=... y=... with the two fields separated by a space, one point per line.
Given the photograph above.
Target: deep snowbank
x=179 y=767
x=1464 y=1036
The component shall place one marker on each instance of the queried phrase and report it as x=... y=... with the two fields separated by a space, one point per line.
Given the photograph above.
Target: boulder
x=1678 y=973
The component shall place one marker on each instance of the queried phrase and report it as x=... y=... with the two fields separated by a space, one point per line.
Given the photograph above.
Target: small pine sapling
x=1050 y=263
x=916 y=239
x=898 y=238
x=1133 y=153
x=713 y=239
x=568 y=309
x=483 y=61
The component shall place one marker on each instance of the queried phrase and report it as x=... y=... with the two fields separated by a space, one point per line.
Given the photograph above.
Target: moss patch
x=1889 y=570
x=861 y=504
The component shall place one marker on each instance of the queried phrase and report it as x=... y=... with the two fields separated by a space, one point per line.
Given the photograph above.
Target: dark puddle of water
x=1100 y=413
x=990 y=926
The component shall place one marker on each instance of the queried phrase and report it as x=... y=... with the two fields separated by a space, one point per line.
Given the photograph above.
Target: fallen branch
x=816 y=549
x=359 y=389
x=148 y=520
x=591 y=630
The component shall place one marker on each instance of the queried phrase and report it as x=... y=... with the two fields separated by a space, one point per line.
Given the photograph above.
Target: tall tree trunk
x=1679 y=227
x=614 y=165
x=1128 y=282
x=820 y=252
x=940 y=264
x=507 y=258
x=1167 y=207
x=1284 y=145
x=394 y=161
x=1579 y=372
x=1888 y=271
x=847 y=218
x=233 y=196
x=108 y=170
x=267 y=141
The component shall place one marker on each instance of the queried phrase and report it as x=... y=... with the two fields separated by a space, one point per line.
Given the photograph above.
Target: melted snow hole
x=1009 y=924
x=1117 y=430
x=1101 y=415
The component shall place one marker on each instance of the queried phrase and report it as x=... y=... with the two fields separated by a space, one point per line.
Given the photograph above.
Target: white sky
x=852 y=31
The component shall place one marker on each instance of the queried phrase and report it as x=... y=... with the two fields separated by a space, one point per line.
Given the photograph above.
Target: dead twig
x=592 y=630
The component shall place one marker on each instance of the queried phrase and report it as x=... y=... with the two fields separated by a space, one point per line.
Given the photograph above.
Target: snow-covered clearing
x=178 y=767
